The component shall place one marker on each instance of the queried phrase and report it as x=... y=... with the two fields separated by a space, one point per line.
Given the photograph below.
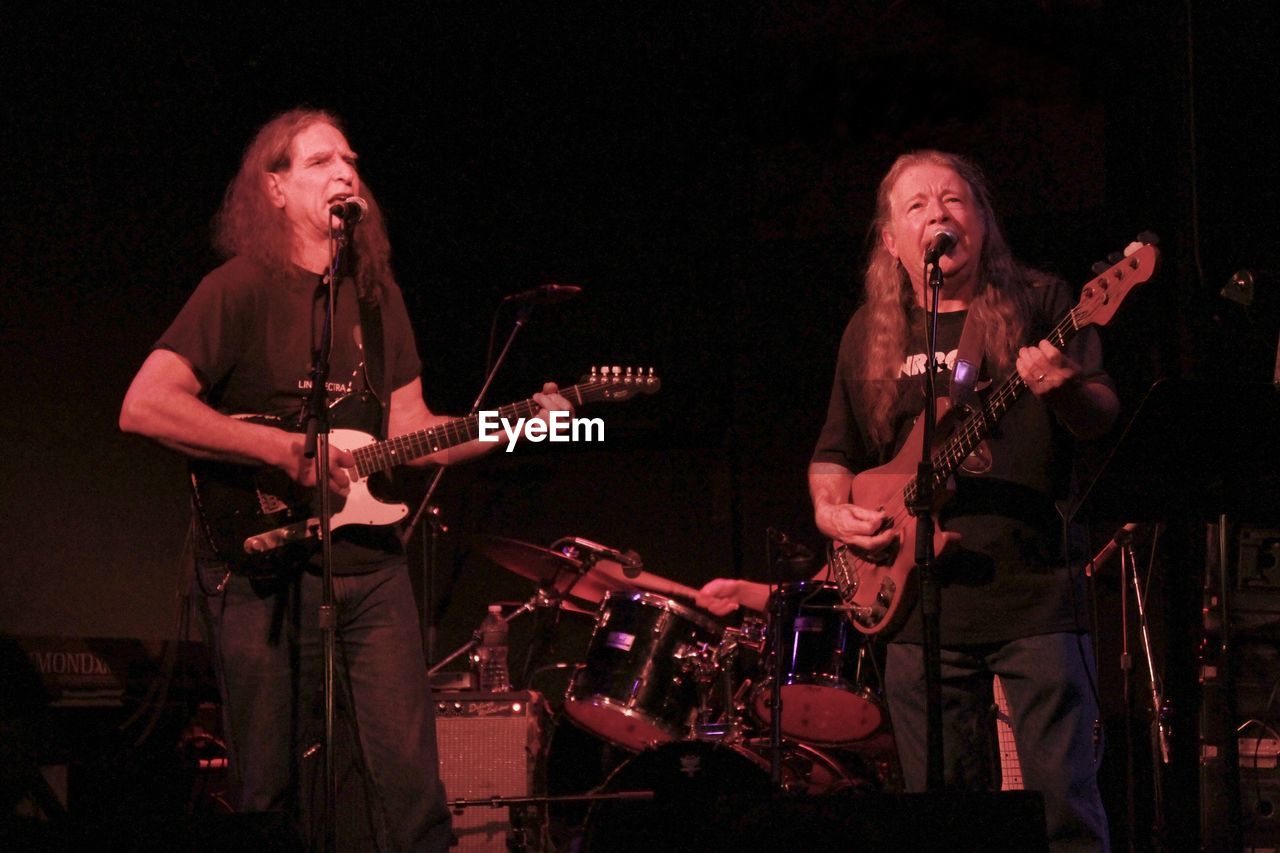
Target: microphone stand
x=430 y=547
x=921 y=508
x=316 y=446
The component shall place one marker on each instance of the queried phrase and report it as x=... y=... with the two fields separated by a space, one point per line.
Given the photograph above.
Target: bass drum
x=702 y=792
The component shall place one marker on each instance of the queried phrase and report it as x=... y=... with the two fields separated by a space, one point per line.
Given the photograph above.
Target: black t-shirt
x=250 y=338
x=1006 y=578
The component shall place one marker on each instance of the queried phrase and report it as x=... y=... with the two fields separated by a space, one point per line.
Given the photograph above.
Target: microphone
x=545 y=294
x=630 y=561
x=1121 y=537
x=941 y=243
x=786 y=548
x=350 y=209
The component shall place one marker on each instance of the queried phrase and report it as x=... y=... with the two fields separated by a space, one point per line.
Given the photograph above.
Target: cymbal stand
x=539 y=599
x=713 y=670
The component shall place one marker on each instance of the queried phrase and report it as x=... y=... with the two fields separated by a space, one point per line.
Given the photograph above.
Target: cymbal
x=529 y=561
x=581 y=586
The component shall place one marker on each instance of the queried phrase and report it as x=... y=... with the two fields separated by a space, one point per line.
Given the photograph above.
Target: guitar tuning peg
x=1115 y=258
x=1099 y=267
x=1149 y=238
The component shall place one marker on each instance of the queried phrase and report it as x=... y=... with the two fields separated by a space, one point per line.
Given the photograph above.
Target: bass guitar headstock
x=1101 y=297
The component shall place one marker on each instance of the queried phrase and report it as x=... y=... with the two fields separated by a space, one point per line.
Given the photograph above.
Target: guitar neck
x=967 y=437
x=385 y=455
x=1010 y=765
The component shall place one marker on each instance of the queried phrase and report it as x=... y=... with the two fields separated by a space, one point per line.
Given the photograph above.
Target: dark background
x=706 y=173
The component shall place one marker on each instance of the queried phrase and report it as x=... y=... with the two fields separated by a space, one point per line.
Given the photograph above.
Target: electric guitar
x=258 y=518
x=875 y=594
x=1010 y=766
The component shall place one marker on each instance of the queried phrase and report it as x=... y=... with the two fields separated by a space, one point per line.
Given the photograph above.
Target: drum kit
x=687 y=701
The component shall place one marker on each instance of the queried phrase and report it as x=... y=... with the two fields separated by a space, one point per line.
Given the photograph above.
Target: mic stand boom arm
x=431 y=544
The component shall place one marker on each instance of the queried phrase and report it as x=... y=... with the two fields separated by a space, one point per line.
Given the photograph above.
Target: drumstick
x=646 y=581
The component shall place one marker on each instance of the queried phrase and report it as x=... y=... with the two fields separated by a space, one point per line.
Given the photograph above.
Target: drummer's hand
x=868 y=531
x=720 y=596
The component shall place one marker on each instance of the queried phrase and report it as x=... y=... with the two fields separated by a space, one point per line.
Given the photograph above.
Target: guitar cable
x=1091 y=673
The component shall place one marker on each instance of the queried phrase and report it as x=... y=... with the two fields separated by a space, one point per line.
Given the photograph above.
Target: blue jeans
x=268 y=653
x=1052 y=711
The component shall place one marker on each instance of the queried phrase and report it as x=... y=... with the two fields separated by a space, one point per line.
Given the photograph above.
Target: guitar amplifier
x=489 y=746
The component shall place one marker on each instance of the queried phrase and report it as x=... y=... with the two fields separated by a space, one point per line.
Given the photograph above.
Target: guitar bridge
x=281 y=536
x=846 y=580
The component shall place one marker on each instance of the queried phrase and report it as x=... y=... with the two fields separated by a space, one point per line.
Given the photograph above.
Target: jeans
x=268 y=653
x=1052 y=711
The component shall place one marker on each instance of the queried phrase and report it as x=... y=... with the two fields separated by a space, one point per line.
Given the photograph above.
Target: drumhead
x=617 y=722
x=650 y=599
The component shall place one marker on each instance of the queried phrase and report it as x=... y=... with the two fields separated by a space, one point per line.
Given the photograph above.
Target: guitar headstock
x=1101 y=297
x=619 y=383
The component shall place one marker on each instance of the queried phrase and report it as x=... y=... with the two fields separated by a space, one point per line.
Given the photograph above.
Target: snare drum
x=823 y=701
x=639 y=685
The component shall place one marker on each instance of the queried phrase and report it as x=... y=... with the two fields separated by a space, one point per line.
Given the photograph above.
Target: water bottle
x=491 y=655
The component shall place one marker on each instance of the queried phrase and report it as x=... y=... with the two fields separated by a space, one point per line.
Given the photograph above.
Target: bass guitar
x=875 y=594
x=258 y=518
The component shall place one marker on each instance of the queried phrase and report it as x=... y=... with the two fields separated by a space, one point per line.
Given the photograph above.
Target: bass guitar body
x=878 y=592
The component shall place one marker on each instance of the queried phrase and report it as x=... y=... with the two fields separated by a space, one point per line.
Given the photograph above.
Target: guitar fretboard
x=966 y=438
x=384 y=455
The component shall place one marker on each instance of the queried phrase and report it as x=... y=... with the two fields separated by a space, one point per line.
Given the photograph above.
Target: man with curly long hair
x=1011 y=604
x=244 y=343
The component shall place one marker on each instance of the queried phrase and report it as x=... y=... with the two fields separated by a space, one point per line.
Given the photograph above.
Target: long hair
x=249 y=224
x=1001 y=304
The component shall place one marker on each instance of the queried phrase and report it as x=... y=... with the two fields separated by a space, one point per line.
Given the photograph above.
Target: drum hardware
x=722 y=708
x=575 y=546
x=504 y=802
x=527 y=816
x=751 y=633
x=541 y=600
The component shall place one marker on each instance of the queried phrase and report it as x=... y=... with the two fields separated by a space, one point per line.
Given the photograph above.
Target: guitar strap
x=375 y=367
x=968 y=364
